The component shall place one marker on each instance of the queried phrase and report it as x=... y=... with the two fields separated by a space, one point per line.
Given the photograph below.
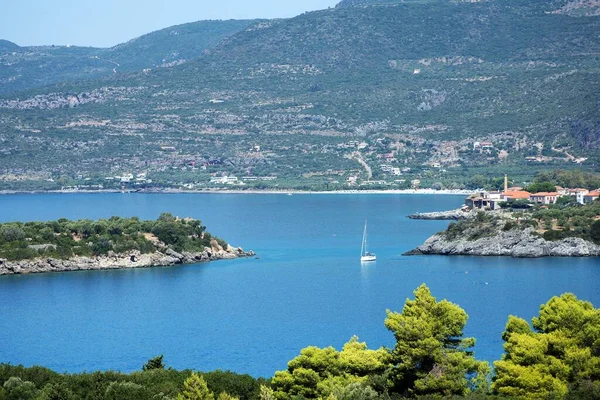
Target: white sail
x=365 y=255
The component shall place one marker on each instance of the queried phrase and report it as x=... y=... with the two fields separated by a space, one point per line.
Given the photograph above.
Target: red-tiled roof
x=517 y=194
x=544 y=194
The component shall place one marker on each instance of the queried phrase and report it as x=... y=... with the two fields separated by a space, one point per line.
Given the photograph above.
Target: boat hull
x=368 y=258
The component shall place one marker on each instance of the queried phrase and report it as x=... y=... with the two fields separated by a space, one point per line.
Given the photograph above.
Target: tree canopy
x=562 y=351
x=64 y=238
x=557 y=356
x=430 y=355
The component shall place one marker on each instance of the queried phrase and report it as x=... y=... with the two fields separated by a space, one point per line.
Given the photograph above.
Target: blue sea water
x=253 y=315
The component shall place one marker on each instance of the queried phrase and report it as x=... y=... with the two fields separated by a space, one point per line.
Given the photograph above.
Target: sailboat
x=365 y=255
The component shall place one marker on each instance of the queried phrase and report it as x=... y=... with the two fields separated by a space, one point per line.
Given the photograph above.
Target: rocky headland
x=453 y=215
x=567 y=229
x=114 y=243
x=514 y=243
x=160 y=258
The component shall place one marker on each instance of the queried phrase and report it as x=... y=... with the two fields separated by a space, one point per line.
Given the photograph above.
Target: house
x=591 y=196
x=561 y=190
x=578 y=193
x=544 y=198
x=516 y=195
x=485 y=200
x=228 y=180
x=126 y=178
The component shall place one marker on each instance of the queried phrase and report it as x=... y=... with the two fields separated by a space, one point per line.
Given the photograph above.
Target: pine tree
x=195 y=388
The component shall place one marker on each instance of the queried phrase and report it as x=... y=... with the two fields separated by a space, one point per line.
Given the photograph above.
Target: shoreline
x=129 y=260
x=446 y=192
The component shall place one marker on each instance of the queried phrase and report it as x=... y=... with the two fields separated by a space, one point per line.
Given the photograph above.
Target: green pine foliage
x=560 y=353
x=556 y=357
x=65 y=239
x=431 y=356
x=154 y=363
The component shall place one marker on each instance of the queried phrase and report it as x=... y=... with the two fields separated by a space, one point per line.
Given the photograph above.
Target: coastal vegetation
x=565 y=219
x=63 y=239
x=556 y=357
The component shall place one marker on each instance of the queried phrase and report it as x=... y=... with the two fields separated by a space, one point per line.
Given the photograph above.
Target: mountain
x=173 y=45
x=441 y=89
x=35 y=66
x=5 y=45
x=355 y=3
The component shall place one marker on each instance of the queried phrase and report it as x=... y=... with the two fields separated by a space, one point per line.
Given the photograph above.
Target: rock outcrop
x=513 y=243
x=135 y=259
x=453 y=215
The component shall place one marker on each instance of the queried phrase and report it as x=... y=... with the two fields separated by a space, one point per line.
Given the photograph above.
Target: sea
x=305 y=287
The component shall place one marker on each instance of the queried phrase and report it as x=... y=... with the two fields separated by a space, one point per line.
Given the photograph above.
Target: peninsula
x=568 y=230
x=114 y=243
x=544 y=220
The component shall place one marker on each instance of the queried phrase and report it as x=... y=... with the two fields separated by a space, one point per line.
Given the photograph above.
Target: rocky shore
x=512 y=243
x=453 y=215
x=160 y=258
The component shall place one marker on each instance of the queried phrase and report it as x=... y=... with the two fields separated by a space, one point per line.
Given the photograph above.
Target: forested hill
x=35 y=66
x=420 y=82
x=354 y=3
x=571 y=7
x=5 y=45
x=174 y=44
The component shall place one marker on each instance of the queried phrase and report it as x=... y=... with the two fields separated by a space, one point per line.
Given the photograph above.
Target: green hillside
x=421 y=83
x=5 y=45
x=174 y=44
x=36 y=66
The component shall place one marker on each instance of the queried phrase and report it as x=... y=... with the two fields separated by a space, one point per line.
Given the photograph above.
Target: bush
x=595 y=232
x=552 y=235
x=509 y=226
x=12 y=233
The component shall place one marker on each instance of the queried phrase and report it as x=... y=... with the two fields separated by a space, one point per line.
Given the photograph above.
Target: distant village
x=385 y=162
x=493 y=200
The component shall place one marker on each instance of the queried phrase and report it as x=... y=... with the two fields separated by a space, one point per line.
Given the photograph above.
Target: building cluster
x=492 y=200
x=233 y=180
x=129 y=178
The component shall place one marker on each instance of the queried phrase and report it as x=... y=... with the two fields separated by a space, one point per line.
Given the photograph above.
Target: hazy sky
x=105 y=23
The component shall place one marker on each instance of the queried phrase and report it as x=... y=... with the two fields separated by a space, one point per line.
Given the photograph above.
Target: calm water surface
x=252 y=316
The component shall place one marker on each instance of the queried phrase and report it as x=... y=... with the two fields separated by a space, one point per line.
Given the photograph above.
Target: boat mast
x=363 y=248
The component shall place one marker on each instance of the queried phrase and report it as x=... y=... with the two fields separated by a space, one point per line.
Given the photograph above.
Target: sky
x=105 y=23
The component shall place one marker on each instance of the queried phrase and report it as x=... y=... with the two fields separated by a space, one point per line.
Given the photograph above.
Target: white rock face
x=513 y=243
x=118 y=261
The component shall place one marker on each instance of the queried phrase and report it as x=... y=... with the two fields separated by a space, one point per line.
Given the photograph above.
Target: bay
x=253 y=315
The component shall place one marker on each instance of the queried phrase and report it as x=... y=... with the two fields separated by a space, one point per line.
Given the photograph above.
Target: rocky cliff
x=513 y=243
x=454 y=215
x=160 y=258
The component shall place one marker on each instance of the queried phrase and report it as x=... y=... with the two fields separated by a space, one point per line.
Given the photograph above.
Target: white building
x=224 y=180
